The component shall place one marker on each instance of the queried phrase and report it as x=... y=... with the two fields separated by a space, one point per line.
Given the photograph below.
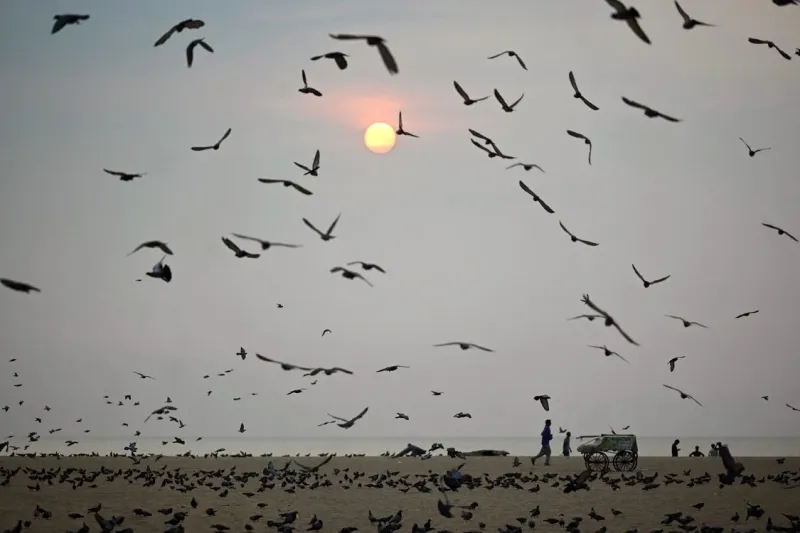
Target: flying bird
x=347 y=424
x=402 y=416
x=585 y=139
x=535 y=197
x=125 y=176
x=746 y=314
x=153 y=244
x=648 y=111
x=465 y=346
x=771 y=45
x=190 y=50
x=265 y=245
x=578 y=93
x=494 y=152
x=18 y=286
x=288 y=183
x=367 y=266
x=324 y=331
x=792 y=407
x=313 y=171
x=689 y=22
x=631 y=16
x=685 y=396
x=391 y=368
x=400 y=130
x=686 y=323
x=328 y=235
x=349 y=274
x=161 y=271
x=238 y=251
x=648 y=283
x=510 y=53
x=573 y=238
x=188 y=24
x=672 y=362
x=609 y=320
x=780 y=231
x=543 y=399
x=143 y=376
x=465 y=96
x=339 y=57
x=507 y=108
x=242 y=353
x=752 y=152
x=305 y=89
x=607 y=352
x=63 y=20
x=462 y=415
x=436 y=393
x=378 y=42
x=528 y=167
x=590 y=318
x=214 y=146
x=295 y=391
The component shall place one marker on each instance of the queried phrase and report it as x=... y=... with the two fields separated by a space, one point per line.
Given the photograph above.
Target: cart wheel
x=625 y=461
x=596 y=461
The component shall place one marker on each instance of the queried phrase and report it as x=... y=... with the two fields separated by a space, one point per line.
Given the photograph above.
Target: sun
x=380 y=138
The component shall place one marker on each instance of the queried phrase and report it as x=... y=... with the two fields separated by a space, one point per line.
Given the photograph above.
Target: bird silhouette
x=526 y=166
x=288 y=183
x=124 y=176
x=544 y=400
x=510 y=53
x=780 y=231
x=573 y=238
x=649 y=112
x=465 y=96
x=153 y=244
x=190 y=50
x=378 y=42
x=585 y=140
x=328 y=235
x=648 y=283
x=349 y=274
x=64 y=20
x=18 y=286
x=686 y=323
x=631 y=16
x=578 y=93
x=684 y=395
x=400 y=130
x=214 y=146
x=465 y=346
x=507 y=108
x=770 y=44
x=338 y=57
x=305 y=89
x=752 y=152
x=188 y=24
x=672 y=362
x=689 y=22
x=536 y=197
x=314 y=170
x=748 y=313
x=266 y=245
x=241 y=254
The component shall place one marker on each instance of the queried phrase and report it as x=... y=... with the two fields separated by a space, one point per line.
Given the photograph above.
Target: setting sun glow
x=379 y=137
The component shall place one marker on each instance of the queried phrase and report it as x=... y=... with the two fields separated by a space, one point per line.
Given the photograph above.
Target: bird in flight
x=792 y=407
x=63 y=20
x=465 y=96
x=188 y=24
x=347 y=424
x=349 y=274
x=214 y=146
x=288 y=183
x=18 y=286
x=780 y=231
x=462 y=415
x=746 y=314
x=465 y=346
x=305 y=89
x=648 y=283
x=649 y=112
x=161 y=271
x=402 y=416
x=631 y=16
x=686 y=323
x=684 y=395
x=143 y=376
x=378 y=42
x=607 y=352
x=190 y=50
x=153 y=244
x=689 y=22
x=507 y=108
x=391 y=368
x=125 y=176
x=672 y=362
x=510 y=53
x=752 y=152
x=339 y=57
x=328 y=235
x=400 y=130
x=578 y=93
x=585 y=140
x=242 y=353
x=771 y=45
x=535 y=197
x=265 y=245
x=609 y=320
x=528 y=167
x=436 y=393
x=494 y=152
x=543 y=399
x=241 y=254
x=367 y=266
x=590 y=318
x=324 y=331
x=313 y=171
x=573 y=238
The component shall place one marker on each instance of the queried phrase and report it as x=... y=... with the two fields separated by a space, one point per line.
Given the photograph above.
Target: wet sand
x=338 y=500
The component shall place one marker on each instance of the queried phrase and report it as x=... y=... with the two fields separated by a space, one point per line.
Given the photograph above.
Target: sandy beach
x=343 y=492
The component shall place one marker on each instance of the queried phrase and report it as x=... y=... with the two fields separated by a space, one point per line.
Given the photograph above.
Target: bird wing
x=113 y=172
x=164 y=38
x=347 y=36
x=791 y=236
x=138 y=248
x=446 y=344
x=625 y=335
x=770 y=226
x=745 y=143
x=634 y=104
x=481 y=348
x=545 y=403
x=338 y=269
x=637 y=272
x=527 y=189
x=497 y=55
x=659 y=280
x=333 y=224
x=231 y=245
x=206 y=46
x=225 y=136
x=310 y=225
x=783 y=54
x=379 y=268
x=589 y=104
x=546 y=207
x=512 y=106
x=699 y=324
x=400 y=119
x=618 y=355
x=315 y=164
x=616 y=4
x=572 y=82
x=683 y=13
x=673 y=388
x=58 y=25
x=500 y=98
x=757 y=41
x=571 y=235
x=200 y=148
x=514 y=165
x=479 y=135
x=359 y=415
x=246 y=238
x=190 y=53
x=520 y=61
x=588 y=243
x=667 y=117
x=360 y=276
x=482 y=147
x=577 y=135
x=267 y=180
x=460 y=91
x=299 y=188
x=388 y=58
x=694 y=399
x=673 y=316
x=633 y=24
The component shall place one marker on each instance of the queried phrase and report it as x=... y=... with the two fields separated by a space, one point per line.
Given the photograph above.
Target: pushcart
x=596 y=452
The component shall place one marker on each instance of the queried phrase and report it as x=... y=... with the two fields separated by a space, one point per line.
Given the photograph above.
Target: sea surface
x=522 y=446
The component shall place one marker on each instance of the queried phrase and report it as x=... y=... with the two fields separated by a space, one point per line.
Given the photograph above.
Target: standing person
x=713 y=452
x=566 y=449
x=675 y=448
x=547 y=436
x=696 y=452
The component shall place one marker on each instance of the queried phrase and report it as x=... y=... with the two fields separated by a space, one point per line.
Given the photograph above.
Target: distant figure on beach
x=547 y=436
x=566 y=449
x=675 y=448
x=713 y=452
x=697 y=452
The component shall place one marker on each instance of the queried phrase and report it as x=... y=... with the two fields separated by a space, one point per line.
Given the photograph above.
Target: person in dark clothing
x=547 y=436
x=566 y=449
x=697 y=452
x=675 y=448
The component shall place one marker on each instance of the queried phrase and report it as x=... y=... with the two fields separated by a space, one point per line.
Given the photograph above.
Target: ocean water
x=522 y=446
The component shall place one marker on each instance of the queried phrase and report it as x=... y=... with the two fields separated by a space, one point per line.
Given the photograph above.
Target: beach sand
x=120 y=488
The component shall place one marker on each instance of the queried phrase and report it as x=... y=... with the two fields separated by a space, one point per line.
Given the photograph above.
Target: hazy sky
x=468 y=255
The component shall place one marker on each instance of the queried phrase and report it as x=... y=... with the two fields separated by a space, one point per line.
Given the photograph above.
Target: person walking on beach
x=697 y=452
x=547 y=436
x=566 y=449
x=675 y=448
